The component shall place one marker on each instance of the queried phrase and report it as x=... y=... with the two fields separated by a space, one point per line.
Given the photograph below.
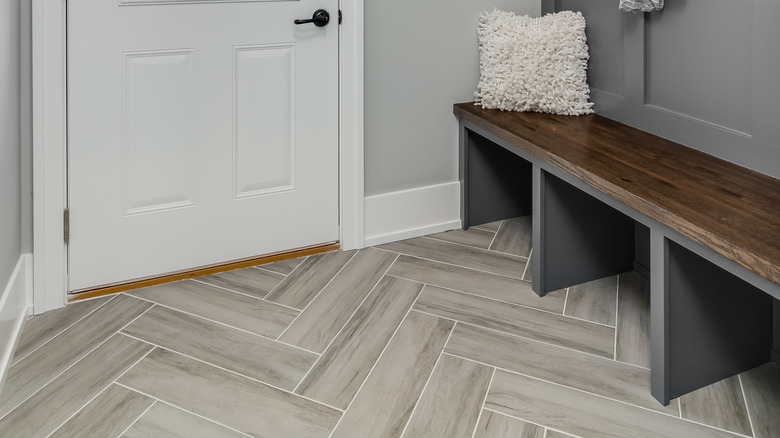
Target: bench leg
x=495 y=183
x=706 y=324
x=576 y=238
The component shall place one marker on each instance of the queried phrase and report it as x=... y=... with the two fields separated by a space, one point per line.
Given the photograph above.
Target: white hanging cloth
x=641 y=5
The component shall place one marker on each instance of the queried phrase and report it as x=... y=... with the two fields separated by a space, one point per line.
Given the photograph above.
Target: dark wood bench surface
x=721 y=205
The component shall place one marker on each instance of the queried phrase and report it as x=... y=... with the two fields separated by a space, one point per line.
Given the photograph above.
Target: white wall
x=421 y=57
x=10 y=140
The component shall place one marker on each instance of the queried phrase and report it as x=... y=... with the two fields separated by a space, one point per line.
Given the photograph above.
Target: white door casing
x=198 y=133
x=49 y=100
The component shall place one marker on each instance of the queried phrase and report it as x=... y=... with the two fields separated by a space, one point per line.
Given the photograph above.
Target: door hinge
x=66 y=225
x=339 y=16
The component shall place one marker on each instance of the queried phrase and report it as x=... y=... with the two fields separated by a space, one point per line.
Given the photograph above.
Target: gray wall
x=420 y=58
x=703 y=73
x=10 y=141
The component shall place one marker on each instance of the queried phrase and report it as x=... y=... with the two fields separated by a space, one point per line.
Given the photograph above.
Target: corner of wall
x=15 y=305
x=412 y=213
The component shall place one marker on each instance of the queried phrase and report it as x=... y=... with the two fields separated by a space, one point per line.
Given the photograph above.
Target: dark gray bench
x=607 y=198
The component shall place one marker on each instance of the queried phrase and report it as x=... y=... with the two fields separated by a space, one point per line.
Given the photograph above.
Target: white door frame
x=50 y=141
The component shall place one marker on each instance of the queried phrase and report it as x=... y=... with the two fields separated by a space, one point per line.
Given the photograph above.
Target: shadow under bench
x=607 y=198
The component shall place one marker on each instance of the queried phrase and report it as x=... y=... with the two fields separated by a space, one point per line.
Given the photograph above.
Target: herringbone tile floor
x=438 y=336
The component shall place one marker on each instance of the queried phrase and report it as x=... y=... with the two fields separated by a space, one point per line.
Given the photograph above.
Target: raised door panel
x=158 y=130
x=264 y=119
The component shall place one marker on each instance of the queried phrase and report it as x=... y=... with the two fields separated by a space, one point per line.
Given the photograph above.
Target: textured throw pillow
x=534 y=64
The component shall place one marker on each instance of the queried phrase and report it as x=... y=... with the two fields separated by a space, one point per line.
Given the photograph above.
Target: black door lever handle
x=320 y=18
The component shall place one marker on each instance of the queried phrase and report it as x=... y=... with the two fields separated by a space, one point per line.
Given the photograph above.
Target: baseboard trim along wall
x=15 y=305
x=412 y=213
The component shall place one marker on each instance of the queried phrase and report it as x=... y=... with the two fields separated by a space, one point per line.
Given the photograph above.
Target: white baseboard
x=15 y=305
x=412 y=213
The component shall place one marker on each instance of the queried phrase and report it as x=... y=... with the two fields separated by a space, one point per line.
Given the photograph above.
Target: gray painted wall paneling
x=10 y=138
x=420 y=58
x=700 y=72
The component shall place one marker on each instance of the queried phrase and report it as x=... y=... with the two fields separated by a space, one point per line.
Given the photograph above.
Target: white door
x=199 y=132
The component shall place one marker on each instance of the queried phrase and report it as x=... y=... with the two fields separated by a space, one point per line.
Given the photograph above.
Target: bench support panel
x=577 y=238
x=499 y=182
x=707 y=324
x=776 y=342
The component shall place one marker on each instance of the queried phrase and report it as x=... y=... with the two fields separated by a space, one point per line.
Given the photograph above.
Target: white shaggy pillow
x=533 y=64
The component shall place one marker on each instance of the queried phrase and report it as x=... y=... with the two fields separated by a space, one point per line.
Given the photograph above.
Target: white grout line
x=318 y=293
x=530 y=339
x=528 y=421
x=679 y=406
x=222 y=324
x=303 y=259
x=370 y=292
x=599 y=396
x=287 y=391
x=157 y=400
x=63 y=330
x=527 y=306
x=439 y=239
x=488 y=251
x=528 y=263
x=565 y=302
x=565 y=386
x=484 y=399
x=132 y=423
x=493 y=240
x=378 y=359
x=246 y=294
x=288 y=275
x=617 y=306
x=747 y=408
x=422 y=393
x=453 y=264
x=79 y=359
x=104 y=389
x=268 y=271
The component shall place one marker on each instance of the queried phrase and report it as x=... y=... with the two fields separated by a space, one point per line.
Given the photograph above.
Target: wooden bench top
x=721 y=205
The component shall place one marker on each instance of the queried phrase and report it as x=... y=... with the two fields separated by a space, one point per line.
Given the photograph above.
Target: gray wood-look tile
x=44 y=364
x=229 y=399
x=250 y=281
x=163 y=420
x=108 y=415
x=284 y=267
x=720 y=404
x=316 y=327
x=633 y=320
x=53 y=405
x=241 y=311
x=460 y=255
x=472 y=237
x=302 y=285
x=594 y=301
x=490 y=226
x=383 y=405
x=452 y=400
x=495 y=425
x=521 y=321
x=338 y=374
x=599 y=376
x=253 y=356
x=481 y=283
x=762 y=391
x=584 y=414
x=556 y=434
x=42 y=328
x=514 y=237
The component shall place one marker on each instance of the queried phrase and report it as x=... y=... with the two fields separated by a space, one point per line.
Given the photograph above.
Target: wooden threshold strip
x=204 y=270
